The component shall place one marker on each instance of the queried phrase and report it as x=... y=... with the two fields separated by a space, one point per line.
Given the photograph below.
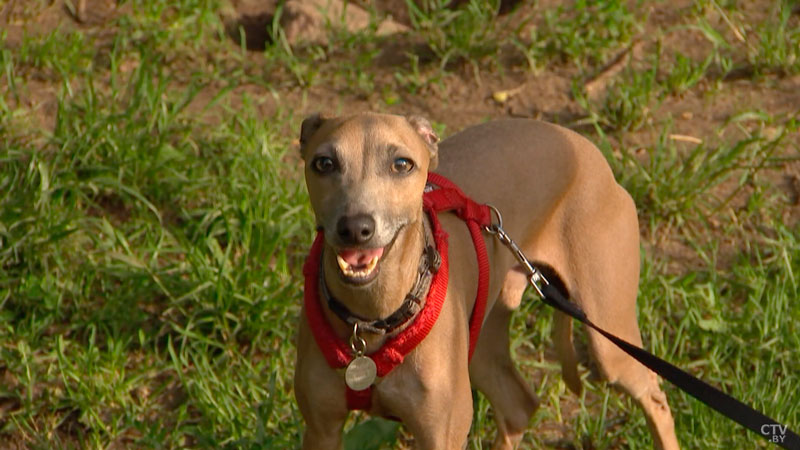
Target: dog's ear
x=310 y=126
x=425 y=131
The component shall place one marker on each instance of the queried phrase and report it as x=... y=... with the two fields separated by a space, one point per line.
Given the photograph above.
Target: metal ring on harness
x=494 y=228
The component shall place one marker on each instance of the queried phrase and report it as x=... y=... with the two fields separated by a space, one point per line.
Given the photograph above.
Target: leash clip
x=535 y=277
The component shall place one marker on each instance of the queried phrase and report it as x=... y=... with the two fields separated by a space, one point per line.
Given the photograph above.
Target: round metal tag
x=360 y=373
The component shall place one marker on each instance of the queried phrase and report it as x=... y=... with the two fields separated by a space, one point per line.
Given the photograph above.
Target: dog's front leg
x=324 y=421
x=442 y=419
x=431 y=394
x=320 y=395
x=322 y=434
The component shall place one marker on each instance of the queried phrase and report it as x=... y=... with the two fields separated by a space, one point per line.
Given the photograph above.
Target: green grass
x=146 y=276
x=153 y=221
x=584 y=33
x=466 y=34
x=778 y=47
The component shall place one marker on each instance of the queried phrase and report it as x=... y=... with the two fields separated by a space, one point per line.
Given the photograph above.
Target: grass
x=153 y=221
x=584 y=33
x=778 y=46
x=464 y=34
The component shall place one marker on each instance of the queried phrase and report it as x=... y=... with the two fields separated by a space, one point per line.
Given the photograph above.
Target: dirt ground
x=465 y=95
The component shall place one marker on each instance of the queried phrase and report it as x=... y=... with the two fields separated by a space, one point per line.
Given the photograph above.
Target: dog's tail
x=562 y=334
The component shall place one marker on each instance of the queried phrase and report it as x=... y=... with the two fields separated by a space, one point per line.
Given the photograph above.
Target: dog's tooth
x=351 y=272
x=343 y=264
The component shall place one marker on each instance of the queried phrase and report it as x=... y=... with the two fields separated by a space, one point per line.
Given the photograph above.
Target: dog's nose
x=355 y=230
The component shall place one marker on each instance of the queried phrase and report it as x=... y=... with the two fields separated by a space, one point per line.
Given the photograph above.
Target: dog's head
x=365 y=175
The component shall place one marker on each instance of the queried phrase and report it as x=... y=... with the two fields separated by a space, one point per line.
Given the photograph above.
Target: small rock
x=307 y=20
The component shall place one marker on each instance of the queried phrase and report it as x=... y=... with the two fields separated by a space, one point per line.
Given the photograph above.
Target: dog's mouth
x=359 y=266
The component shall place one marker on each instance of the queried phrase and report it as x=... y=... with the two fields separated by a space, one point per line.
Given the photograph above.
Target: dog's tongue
x=360 y=257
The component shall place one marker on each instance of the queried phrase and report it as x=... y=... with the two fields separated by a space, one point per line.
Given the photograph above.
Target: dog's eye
x=323 y=164
x=402 y=165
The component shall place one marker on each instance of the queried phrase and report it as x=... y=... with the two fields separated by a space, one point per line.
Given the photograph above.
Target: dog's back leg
x=603 y=279
x=620 y=369
x=562 y=333
x=493 y=372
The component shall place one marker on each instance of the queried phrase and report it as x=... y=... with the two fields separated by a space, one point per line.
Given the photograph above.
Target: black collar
x=429 y=263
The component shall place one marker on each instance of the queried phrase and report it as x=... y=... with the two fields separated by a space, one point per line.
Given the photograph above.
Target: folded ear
x=310 y=126
x=425 y=131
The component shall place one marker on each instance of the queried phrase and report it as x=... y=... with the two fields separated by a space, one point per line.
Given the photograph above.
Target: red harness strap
x=450 y=197
x=337 y=351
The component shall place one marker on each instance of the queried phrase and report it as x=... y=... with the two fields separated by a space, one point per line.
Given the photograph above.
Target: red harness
x=446 y=197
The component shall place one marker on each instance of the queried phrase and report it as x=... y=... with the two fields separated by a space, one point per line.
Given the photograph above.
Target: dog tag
x=360 y=373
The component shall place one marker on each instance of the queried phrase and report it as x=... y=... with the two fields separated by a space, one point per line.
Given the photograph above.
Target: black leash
x=721 y=402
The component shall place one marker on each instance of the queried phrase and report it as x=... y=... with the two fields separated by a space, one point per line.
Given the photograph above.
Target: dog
x=366 y=175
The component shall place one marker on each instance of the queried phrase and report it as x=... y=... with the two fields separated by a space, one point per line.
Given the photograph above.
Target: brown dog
x=366 y=174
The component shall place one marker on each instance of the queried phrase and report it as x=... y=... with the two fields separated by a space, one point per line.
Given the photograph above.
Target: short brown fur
x=561 y=203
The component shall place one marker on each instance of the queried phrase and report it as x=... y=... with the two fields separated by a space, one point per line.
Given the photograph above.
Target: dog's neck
x=387 y=292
